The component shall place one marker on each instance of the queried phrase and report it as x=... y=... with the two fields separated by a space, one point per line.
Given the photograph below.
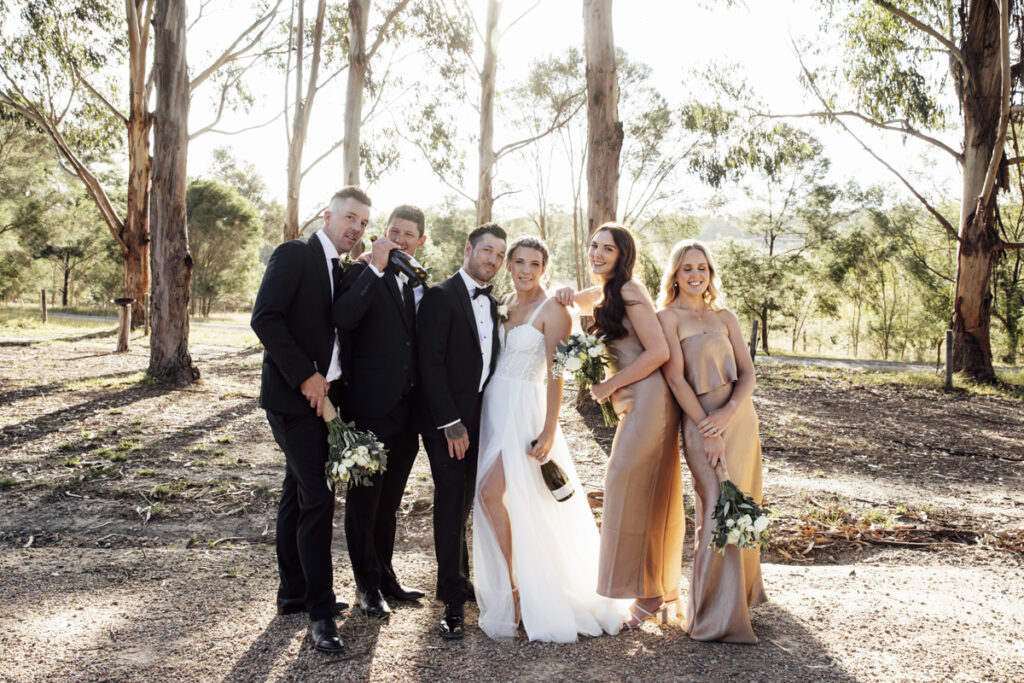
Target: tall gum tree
x=59 y=69
x=604 y=137
x=892 y=88
x=169 y=357
x=315 y=60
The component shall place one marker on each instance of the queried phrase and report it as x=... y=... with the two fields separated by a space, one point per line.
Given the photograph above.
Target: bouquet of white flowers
x=739 y=520
x=586 y=356
x=353 y=456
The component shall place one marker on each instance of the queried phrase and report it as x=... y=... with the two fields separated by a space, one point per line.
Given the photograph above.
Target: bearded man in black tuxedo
x=458 y=350
x=375 y=314
x=292 y=317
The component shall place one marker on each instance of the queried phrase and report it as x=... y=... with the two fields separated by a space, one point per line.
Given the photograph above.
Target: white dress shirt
x=331 y=252
x=484 y=323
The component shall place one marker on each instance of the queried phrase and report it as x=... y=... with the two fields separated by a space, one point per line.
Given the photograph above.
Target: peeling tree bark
x=604 y=138
x=979 y=238
x=169 y=359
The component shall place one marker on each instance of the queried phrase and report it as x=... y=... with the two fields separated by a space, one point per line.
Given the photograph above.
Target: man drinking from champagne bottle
x=375 y=313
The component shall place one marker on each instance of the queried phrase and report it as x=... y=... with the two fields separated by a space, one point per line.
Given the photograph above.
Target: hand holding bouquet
x=739 y=520
x=586 y=356
x=353 y=456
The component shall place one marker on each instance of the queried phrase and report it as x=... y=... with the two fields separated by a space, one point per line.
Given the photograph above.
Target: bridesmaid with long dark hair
x=642 y=523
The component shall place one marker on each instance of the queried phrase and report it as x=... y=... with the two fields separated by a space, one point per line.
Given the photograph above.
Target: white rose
x=730 y=522
x=573 y=364
x=760 y=524
x=733 y=538
x=745 y=521
x=594 y=352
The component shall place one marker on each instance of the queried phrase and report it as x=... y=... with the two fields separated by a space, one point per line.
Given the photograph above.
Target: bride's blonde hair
x=713 y=296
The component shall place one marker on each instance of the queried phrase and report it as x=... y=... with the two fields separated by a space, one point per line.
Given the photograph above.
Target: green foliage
x=49 y=48
x=890 y=69
x=225 y=235
x=447 y=232
x=244 y=177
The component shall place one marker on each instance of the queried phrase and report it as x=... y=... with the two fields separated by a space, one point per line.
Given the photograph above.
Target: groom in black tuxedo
x=458 y=350
x=376 y=317
x=293 y=319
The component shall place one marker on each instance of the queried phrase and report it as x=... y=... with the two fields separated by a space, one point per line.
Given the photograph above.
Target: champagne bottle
x=555 y=478
x=408 y=266
x=400 y=262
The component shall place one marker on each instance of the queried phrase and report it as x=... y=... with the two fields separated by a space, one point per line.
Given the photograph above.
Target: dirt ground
x=136 y=537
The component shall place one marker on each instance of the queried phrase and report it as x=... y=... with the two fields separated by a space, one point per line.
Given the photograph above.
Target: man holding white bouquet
x=292 y=318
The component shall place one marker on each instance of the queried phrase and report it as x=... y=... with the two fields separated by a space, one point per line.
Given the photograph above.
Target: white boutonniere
x=502 y=313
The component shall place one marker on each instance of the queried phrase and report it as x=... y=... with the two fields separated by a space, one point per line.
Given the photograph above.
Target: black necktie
x=477 y=291
x=336 y=272
x=410 y=305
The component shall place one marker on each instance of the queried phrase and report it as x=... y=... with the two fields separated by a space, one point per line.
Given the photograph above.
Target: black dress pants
x=454 y=487
x=370 y=514
x=304 y=514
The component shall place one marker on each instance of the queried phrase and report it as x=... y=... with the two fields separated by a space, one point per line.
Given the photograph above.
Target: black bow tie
x=477 y=291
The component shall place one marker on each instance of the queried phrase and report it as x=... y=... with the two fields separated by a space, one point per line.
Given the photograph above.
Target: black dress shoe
x=452 y=625
x=297 y=605
x=373 y=605
x=396 y=591
x=325 y=637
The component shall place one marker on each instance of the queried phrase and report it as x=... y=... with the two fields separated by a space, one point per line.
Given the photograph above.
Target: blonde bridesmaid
x=712 y=377
x=642 y=519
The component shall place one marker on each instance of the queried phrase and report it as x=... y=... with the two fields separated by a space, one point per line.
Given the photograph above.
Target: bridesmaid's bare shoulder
x=634 y=292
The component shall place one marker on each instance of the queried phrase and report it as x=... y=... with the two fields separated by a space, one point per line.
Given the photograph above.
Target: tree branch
x=920 y=25
x=817 y=93
x=555 y=125
x=382 y=31
x=320 y=158
x=230 y=54
x=904 y=127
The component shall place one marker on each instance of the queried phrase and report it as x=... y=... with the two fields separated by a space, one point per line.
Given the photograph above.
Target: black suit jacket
x=292 y=318
x=450 y=360
x=378 y=350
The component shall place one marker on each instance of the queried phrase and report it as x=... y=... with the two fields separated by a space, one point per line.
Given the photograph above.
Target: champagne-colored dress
x=723 y=587
x=642 y=523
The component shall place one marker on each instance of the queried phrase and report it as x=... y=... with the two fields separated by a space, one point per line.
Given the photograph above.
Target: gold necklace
x=698 y=313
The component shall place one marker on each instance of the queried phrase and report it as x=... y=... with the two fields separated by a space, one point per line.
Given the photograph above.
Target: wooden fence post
x=949 y=360
x=124 y=322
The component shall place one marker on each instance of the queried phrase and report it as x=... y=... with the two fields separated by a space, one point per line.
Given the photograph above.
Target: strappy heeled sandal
x=635 y=620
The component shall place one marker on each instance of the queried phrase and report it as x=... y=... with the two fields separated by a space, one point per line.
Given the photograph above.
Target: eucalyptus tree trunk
x=487 y=159
x=604 y=137
x=979 y=242
x=134 y=238
x=305 y=93
x=169 y=357
x=358 y=12
x=604 y=130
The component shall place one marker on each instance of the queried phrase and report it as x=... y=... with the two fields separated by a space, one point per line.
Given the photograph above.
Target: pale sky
x=670 y=36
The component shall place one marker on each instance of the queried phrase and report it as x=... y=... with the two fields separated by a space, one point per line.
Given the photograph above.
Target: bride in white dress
x=534 y=558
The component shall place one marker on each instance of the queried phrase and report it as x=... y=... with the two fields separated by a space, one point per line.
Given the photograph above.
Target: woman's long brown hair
x=609 y=314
